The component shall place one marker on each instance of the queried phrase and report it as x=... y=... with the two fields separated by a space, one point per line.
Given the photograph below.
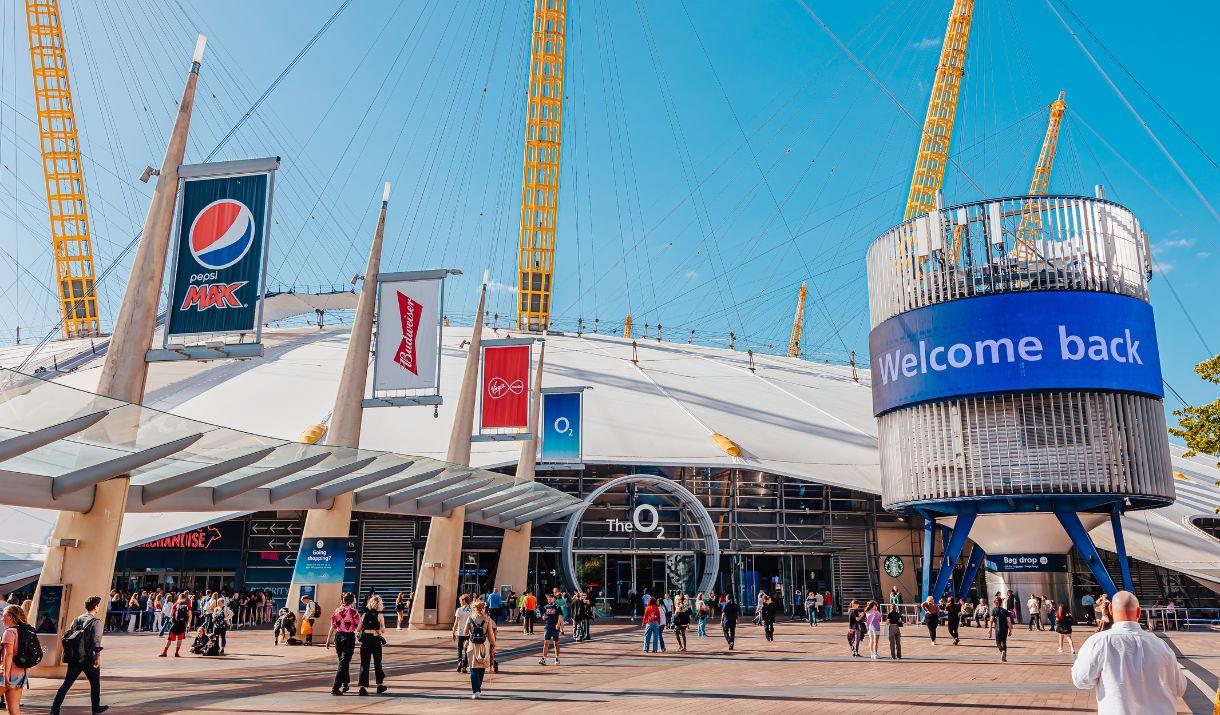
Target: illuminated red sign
x=197 y=539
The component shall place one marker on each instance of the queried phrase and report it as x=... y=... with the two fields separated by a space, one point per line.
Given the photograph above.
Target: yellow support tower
x=942 y=108
x=65 y=183
x=798 y=323
x=1031 y=217
x=540 y=184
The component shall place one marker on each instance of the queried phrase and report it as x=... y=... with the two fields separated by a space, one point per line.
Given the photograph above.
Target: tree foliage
x=1200 y=426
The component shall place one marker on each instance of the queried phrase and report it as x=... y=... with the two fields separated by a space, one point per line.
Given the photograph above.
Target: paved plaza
x=806 y=669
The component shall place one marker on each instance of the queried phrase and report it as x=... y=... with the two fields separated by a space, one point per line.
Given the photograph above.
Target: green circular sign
x=893 y=566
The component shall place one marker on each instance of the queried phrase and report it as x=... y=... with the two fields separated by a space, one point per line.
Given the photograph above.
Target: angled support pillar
x=443 y=549
x=334 y=523
x=957 y=542
x=972 y=570
x=1120 y=545
x=1080 y=539
x=512 y=570
x=925 y=577
x=87 y=569
x=946 y=533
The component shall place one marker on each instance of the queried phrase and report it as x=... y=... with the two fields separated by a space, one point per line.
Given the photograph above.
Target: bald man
x=1132 y=670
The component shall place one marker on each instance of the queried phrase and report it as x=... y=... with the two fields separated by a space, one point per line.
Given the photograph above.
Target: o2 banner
x=505 y=394
x=220 y=248
x=321 y=560
x=1027 y=562
x=1014 y=342
x=561 y=425
x=408 y=331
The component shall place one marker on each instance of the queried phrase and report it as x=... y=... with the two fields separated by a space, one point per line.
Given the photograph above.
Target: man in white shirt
x=1132 y=670
x=1035 y=612
x=460 y=618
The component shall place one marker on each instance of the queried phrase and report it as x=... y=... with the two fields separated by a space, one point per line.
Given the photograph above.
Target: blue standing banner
x=321 y=560
x=562 y=413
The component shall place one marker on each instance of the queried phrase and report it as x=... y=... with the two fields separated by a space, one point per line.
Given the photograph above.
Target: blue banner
x=1014 y=342
x=561 y=424
x=321 y=560
x=1027 y=562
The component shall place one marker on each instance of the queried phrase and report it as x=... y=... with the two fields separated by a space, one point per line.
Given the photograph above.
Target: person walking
x=372 y=638
x=181 y=622
x=931 y=617
x=811 y=607
x=767 y=615
x=552 y=628
x=1130 y=669
x=651 y=621
x=400 y=609
x=872 y=622
x=343 y=624
x=893 y=632
x=828 y=606
x=14 y=672
x=1063 y=626
x=702 y=613
x=1049 y=611
x=953 y=618
x=729 y=614
x=1010 y=605
x=1034 y=605
x=460 y=616
x=682 y=617
x=1001 y=623
x=855 y=627
x=82 y=653
x=479 y=634
x=495 y=606
x=529 y=610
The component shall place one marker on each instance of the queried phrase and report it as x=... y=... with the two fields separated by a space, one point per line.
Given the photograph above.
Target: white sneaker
x=874 y=656
x=556 y=661
x=1060 y=650
x=474 y=696
x=542 y=661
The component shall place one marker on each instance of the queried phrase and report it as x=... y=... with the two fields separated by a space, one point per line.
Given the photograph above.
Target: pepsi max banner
x=505 y=401
x=220 y=251
x=561 y=424
x=1014 y=342
x=408 y=333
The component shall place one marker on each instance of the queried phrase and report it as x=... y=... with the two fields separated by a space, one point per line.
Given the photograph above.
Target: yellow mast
x=627 y=327
x=65 y=182
x=933 y=153
x=1031 y=217
x=540 y=184
x=798 y=323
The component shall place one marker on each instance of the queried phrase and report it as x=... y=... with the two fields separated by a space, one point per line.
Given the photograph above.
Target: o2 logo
x=637 y=523
x=562 y=426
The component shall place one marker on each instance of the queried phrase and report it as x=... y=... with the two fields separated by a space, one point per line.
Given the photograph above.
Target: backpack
x=29 y=650
x=478 y=633
x=75 y=650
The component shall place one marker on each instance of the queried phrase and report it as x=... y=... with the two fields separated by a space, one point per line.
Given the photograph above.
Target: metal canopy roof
x=57 y=443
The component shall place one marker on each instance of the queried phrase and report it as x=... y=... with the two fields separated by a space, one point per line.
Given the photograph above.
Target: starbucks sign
x=893 y=566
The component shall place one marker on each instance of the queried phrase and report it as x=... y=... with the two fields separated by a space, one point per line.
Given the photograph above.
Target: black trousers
x=1001 y=640
x=345 y=648
x=95 y=685
x=529 y=622
x=932 y=622
x=730 y=632
x=953 y=624
x=461 y=651
x=769 y=630
x=370 y=649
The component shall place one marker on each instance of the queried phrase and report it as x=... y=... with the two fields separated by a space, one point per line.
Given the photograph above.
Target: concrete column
x=87 y=569
x=444 y=545
x=513 y=567
x=345 y=424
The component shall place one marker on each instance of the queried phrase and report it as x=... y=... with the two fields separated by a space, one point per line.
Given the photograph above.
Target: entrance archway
x=646 y=522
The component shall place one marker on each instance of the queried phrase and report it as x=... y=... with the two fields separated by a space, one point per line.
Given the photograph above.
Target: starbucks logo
x=893 y=566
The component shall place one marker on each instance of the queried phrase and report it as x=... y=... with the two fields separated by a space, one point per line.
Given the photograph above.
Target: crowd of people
x=147 y=610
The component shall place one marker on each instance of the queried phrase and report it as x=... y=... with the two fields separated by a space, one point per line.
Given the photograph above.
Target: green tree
x=1200 y=426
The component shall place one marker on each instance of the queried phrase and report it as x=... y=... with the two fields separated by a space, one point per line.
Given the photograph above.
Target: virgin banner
x=408 y=328
x=505 y=402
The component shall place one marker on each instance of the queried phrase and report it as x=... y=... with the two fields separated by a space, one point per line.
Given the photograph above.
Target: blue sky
x=715 y=154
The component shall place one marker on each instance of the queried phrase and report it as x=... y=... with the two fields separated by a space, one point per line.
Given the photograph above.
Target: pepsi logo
x=222 y=234
x=498 y=387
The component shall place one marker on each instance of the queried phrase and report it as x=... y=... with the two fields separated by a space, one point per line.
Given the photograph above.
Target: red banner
x=409 y=311
x=505 y=387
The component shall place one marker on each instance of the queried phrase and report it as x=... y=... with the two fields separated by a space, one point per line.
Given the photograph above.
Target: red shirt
x=828 y=601
x=652 y=614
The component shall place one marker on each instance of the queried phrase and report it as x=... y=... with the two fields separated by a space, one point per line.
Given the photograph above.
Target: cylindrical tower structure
x=1015 y=371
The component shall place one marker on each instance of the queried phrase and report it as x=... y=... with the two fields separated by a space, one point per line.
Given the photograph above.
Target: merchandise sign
x=220 y=251
x=321 y=560
x=408 y=333
x=1014 y=342
x=505 y=402
x=1027 y=562
x=561 y=425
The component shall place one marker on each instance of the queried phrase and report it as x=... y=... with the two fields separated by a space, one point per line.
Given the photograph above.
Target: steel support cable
x=1189 y=318
x=1135 y=113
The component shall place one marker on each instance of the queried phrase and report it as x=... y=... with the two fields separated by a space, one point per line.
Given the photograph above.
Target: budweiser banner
x=408 y=332
x=505 y=396
x=220 y=247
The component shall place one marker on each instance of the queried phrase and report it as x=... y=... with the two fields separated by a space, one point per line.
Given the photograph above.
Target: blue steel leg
x=1121 y=546
x=972 y=569
x=945 y=534
x=1084 y=544
x=957 y=542
x=925 y=583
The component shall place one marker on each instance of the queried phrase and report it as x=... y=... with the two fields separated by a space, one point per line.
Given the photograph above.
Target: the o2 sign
x=651 y=522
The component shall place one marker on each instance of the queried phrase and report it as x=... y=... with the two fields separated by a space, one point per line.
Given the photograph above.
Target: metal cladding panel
x=1038 y=444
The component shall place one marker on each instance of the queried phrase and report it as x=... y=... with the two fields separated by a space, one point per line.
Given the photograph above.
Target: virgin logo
x=498 y=387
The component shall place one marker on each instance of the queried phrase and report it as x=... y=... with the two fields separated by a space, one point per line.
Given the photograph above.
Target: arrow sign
x=294 y=528
x=256 y=528
x=275 y=527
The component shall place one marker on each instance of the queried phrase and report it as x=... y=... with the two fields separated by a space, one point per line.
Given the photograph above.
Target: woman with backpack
x=181 y=621
x=372 y=628
x=221 y=622
x=480 y=635
x=17 y=633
